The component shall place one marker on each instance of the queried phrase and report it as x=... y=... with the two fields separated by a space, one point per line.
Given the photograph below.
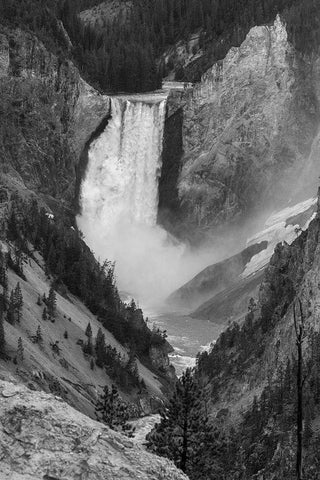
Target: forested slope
x=243 y=393
x=124 y=56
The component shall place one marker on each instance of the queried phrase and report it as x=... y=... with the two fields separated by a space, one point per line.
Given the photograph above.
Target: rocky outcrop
x=41 y=437
x=249 y=128
x=53 y=112
x=105 y=12
x=158 y=355
x=172 y=150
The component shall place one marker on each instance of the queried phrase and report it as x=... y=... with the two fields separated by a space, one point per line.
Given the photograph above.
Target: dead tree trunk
x=299 y=326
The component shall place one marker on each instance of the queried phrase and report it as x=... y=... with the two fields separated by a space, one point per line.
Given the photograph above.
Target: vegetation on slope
x=256 y=366
x=70 y=263
x=123 y=56
x=32 y=139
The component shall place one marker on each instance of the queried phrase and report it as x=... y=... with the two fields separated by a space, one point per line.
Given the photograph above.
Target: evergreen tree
x=11 y=317
x=44 y=314
x=38 y=336
x=52 y=304
x=18 y=302
x=184 y=433
x=112 y=411
x=3 y=280
x=20 y=351
x=87 y=347
x=88 y=331
x=100 y=348
x=2 y=335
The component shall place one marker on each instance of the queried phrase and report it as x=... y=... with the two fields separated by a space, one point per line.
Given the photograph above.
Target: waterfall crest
x=121 y=182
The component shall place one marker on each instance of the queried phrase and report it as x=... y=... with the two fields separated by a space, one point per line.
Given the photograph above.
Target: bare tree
x=300 y=330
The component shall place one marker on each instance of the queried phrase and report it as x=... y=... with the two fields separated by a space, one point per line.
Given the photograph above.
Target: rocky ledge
x=41 y=437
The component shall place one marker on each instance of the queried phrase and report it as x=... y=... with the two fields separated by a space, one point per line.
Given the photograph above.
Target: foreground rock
x=41 y=437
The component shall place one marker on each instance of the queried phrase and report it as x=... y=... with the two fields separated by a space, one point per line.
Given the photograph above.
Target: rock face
x=103 y=13
x=293 y=273
x=41 y=437
x=215 y=278
x=249 y=128
x=53 y=112
x=160 y=360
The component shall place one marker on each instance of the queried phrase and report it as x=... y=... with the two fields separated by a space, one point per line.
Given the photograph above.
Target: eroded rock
x=41 y=437
x=248 y=129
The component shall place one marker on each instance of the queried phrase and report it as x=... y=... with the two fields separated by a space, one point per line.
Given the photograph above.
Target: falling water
x=119 y=202
x=124 y=165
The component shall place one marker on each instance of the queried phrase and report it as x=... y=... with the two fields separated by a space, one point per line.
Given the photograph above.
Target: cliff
x=48 y=114
x=250 y=130
x=44 y=438
x=255 y=353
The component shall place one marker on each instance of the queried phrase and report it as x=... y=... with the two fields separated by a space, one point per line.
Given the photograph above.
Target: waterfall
x=119 y=202
x=121 y=182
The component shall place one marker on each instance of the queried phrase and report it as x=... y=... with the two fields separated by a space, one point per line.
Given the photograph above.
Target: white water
x=119 y=202
x=121 y=183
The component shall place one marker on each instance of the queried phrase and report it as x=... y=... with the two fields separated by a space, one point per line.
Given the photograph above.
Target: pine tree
x=88 y=331
x=11 y=317
x=44 y=314
x=112 y=411
x=3 y=280
x=2 y=335
x=18 y=301
x=52 y=304
x=185 y=434
x=100 y=348
x=87 y=347
x=20 y=351
x=38 y=336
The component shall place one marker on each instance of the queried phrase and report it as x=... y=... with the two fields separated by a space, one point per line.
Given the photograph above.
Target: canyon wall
x=48 y=114
x=250 y=131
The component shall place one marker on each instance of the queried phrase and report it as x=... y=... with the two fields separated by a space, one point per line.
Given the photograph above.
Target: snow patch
x=276 y=231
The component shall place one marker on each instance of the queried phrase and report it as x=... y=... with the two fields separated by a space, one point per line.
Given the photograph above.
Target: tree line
x=124 y=54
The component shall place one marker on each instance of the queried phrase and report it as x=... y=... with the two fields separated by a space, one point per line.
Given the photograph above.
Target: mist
x=150 y=263
x=119 y=206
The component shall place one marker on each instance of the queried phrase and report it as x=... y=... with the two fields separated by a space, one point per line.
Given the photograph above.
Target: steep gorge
x=229 y=169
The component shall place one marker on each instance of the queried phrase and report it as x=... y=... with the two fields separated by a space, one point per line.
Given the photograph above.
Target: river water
x=187 y=335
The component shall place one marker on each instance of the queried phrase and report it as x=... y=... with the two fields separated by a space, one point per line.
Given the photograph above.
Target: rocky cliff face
x=43 y=438
x=48 y=115
x=268 y=336
x=250 y=129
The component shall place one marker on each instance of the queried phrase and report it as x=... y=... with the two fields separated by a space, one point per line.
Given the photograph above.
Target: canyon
x=189 y=190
